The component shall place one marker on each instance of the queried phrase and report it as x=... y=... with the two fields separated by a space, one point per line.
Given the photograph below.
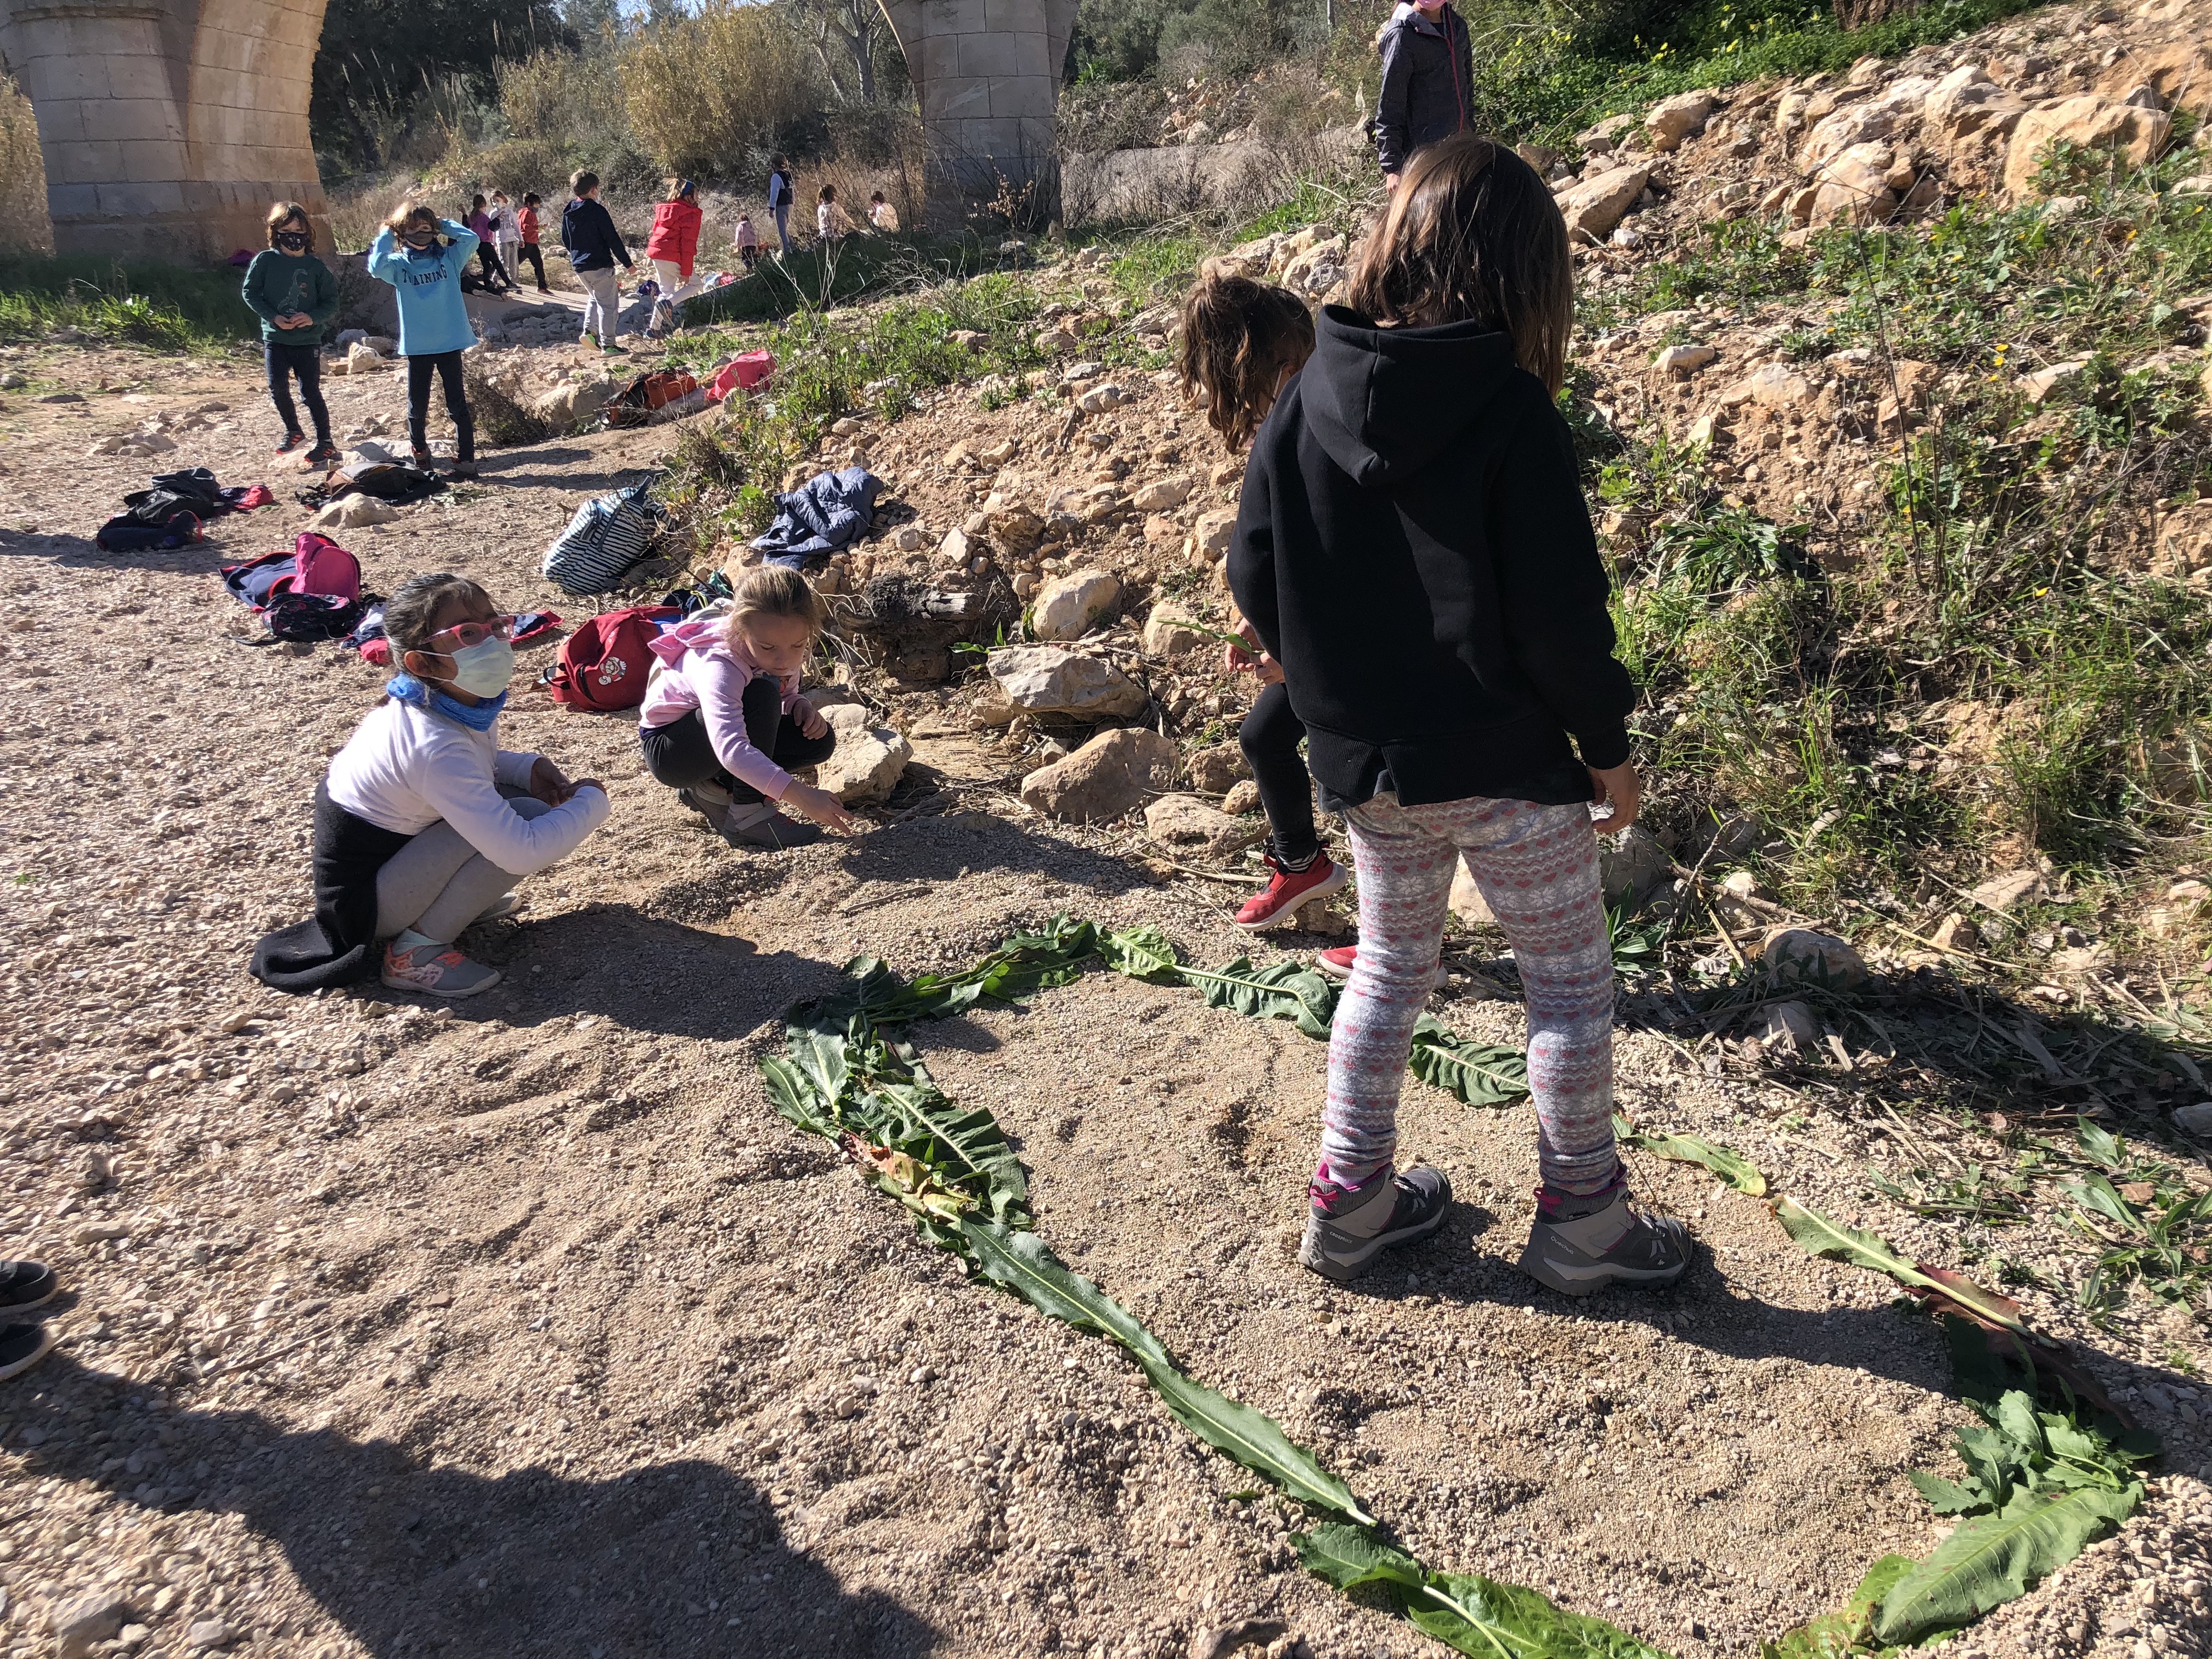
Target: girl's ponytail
x=1237 y=337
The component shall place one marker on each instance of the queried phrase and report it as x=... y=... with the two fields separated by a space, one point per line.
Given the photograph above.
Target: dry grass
x=24 y=226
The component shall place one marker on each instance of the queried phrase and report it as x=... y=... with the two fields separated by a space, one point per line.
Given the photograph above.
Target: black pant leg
x=528 y=254
x=457 y=402
x=419 y=370
x=280 y=386
x=307 y=364
x=1270 y=739
x=794 y=748
x=679 y=755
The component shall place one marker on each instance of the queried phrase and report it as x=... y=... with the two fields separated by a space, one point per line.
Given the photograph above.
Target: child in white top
x=829 y=221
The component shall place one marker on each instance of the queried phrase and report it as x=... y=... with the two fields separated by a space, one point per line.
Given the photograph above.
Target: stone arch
x=987 y=75
x=167 y=126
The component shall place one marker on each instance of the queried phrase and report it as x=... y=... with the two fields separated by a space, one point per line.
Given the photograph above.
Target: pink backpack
x=316 y=565
x=741 y=374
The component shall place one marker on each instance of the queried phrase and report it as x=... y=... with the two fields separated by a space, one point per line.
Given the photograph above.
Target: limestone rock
x=1597 y=205
x=1059 y=342
x=352 y=513
x=1682 y=359
x=2179 y=73
x=1108 y=776
x=1967 y=101
x=1605 y=136
x=1855 y=188
x=1049 y=679
x=956 y=548
x=1789 y=1025
x=868 y=761
x=1072 y=605
x=1776 y=385
x=1162 y=495
x=2138 y=135
x=1631 y=864
x=1244 y=797
x=1213 y=771
x=83 y=1620
x=1101 y=398
x=361 y=358
x=1168 y=632
x=1012 y=527
x=1671 y=121
x=2040 y=384
x=1801 y=953
x=1466 y=901
x=2002 y=892
x=1319 y=268
x=1213 y=531
x=1186 y=824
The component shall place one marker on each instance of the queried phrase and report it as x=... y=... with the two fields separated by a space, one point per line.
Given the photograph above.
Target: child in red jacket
x=526 y=222
x=672 y=247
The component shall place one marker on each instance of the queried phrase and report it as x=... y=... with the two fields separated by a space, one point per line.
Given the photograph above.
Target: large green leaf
x=1946 y=1496
x=1839 y=1634
x=1478 y=1073
x=1283 y=990
x=967 y=1148
x=1821 y=1235
x=822 y=1057
x=1740 y=1172
x=794 y=1096
x=1141 y=953
x=1021 y=1262
x=1345 y=1556
x=1995 y=1559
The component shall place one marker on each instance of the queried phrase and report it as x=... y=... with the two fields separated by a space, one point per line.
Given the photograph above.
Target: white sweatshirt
x=405 y=769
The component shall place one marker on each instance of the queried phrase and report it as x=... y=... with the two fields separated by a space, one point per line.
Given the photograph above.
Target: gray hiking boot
x=1618 y=1244
x=1347 y=1227
x=771 y=833
x=710 y=801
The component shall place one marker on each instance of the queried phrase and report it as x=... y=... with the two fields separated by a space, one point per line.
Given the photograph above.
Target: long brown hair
x=775 y=590
x=1238 y=335
x=1473 y=235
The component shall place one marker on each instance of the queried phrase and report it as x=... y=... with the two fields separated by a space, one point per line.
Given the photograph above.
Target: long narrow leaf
x=1479 y=1615
x=1478 y=1073
x=1740 y=1172
x=1820 y=1236
x=1022 y=1264
x=1348 y=1556
x=1282 y=990
x=1995 y=1559
x=967 y=1148
x=1842 y=1634
x=794 y=1096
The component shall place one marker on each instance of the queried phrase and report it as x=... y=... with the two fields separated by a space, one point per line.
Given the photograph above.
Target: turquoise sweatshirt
x=277 y=284
x=431 y=317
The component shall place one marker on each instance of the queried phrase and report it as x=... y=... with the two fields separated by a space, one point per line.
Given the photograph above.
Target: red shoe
x=1338 y=963
x=1290 y=891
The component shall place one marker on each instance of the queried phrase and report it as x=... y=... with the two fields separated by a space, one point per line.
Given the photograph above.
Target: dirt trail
x=525 y=1326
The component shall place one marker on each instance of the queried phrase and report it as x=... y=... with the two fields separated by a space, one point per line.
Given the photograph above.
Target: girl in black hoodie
x=1412 y=546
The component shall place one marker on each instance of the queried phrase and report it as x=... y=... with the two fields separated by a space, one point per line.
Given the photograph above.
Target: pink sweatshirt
x=696 y=666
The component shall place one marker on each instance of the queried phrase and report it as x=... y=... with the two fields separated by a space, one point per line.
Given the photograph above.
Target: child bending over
x=424 y=823
x=723 y=723
x=1413 y=547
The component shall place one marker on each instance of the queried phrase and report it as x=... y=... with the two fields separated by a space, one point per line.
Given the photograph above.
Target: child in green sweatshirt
x=295 y=296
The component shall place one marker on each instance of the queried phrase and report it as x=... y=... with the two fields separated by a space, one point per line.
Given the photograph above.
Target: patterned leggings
x=1537 y=867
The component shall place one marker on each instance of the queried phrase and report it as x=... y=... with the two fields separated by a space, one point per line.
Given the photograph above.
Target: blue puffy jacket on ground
x=432 y=317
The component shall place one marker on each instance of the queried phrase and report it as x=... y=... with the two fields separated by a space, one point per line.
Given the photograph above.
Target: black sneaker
x=1619 y=1244
x=463 y=472
x=325 y=453
x=22 y=1346
x=1347 y=1227
x=291 y=441
x=25 y=1285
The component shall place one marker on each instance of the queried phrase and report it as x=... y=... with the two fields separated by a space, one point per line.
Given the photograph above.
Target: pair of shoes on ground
x=27 y=1285
x=412 y=962
x=757 y=827
x=324 y=453
x=1576 y=1247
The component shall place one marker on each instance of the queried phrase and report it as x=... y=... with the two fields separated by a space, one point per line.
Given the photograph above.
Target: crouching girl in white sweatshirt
x=424 y=824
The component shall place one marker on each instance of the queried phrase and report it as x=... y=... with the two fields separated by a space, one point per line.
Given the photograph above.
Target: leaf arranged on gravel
x=793 y=1096
x=1283 y=990
x=1995 y=1558
x=1847 y=1632
x=967 y=1148
x=1740 y=1172
x=1477 y=1073
x=1141 y=953
x=1475 y=1615
x=1821 y=1235
x=1024 y=1264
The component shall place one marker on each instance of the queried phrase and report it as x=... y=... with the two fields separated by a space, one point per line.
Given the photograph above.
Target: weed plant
x=168 y=308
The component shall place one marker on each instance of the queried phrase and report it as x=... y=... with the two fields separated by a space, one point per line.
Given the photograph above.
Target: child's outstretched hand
x=1618 y=786
x=824 y=808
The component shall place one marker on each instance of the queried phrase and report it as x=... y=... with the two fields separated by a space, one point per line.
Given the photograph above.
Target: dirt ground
x=524 y=1327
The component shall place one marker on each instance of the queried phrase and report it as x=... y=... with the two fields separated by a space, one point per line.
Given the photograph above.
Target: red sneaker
x=1290 y=891
x=1338 y=963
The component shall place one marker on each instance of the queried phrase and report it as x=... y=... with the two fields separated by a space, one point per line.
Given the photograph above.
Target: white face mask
x=484 y=669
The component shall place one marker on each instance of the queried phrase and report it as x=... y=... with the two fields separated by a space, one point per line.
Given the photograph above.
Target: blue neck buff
x=405 y=687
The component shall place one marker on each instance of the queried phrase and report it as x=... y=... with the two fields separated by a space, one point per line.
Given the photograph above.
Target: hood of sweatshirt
x=1386 y=402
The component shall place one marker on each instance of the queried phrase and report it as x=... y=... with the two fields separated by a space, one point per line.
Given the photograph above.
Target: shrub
x=704 y=93
x=24 y=226
x=574 y=99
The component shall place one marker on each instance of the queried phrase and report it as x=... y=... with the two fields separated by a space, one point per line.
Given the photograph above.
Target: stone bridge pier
x=987 y=74
x=168 y=126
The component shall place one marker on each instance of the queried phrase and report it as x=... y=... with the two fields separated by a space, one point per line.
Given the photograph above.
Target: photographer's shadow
x=413 y=1558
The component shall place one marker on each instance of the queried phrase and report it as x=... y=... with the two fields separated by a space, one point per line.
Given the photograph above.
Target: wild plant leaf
x=906 y=1178
x=1141 y=953
x=1252 y=1438
x=2101 y=1146
x=1992 y=1560
x=2016 y=1416
x=1477 y=1073
x=1740 y=1172
x=1946 y=1497
x=1843 y=1633
x=793 y=1096
x=966 y=1149
x=1282 y=990
x=2099 y=1196
x=1818 y=1235
x=1482 y=1616
x=1023 y=1263
x=1346 y=1555
x=1994 y=1466
x=821 y=1057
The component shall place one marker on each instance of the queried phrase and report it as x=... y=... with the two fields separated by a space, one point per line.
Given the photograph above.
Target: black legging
x=449 y=366
x=494 y=272
x=1270 y=737
x=284 y=362
x=528 y=253
x=680 y=756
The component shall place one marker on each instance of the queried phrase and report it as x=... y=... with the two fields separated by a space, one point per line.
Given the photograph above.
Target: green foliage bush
x=170 y=307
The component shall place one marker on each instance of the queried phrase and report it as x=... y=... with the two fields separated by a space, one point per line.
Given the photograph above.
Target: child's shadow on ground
x=413 y=1558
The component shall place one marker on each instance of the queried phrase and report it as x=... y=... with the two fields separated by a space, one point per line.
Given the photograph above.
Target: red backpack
x=604 y=664
x=315 y=565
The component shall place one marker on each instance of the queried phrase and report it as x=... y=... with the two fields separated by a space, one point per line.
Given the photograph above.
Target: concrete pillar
x=987 y=73
x=168 y=128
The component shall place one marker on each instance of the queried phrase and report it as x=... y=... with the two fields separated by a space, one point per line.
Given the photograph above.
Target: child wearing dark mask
x=294 y=296
x=422 y=255
x=424 y=824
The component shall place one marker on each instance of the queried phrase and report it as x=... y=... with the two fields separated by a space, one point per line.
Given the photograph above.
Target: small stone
x=1244 y=797
x=1684 y=358
x=1789 y=1025
x=2195 y=1120
x=1742 y=885
x=1105 y=778
x=1801 y=953
x=910 y=538
x=1212 y=532
x=2040 y=384
x=208 y=1633
x=1050 y=679
x=1189 y=825
x=1161 y=495
x=956 y=549
x=1466 y=901
x=1671 y=121
x=1169 y=632
x=79 y=1623
x=868 y=762
x=1955 y=932
x=1631 y=864
x=1212 y=771
x=2002 y=892
x=1072 y=605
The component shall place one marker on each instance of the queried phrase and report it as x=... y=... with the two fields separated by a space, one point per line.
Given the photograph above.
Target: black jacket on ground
x=588 y=231
x=1428 y=80
x=1413 y=547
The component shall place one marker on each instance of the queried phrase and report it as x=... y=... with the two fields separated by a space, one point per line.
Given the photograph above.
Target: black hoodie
x=1413 y=548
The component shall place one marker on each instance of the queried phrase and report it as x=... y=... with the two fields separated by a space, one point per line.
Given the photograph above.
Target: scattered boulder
x=1598 y=203
x=1801 y=953
x=1169 y=632
x=1012 y=527
x=1631 y=863
x=1049 y=679
x=1186 y=824
x=1319 y=268
x=2136 y=134
x=1466 y=901
x=1161 y=495
x=1605 y=136
x=1244 y=797
x=1854 y=188
x=1684 y=359
x=868 y=762
x=1213 y=771
x=352 y=513
x=956 y=549
x=2040 y=384
x=1671 y=121
x=1072 y=605
x=1955 y=932
x=2001 y=893
x=82 y=1621
x=1212 y=531
x=1967 y=101
x=1107 y=777
x=363 y=358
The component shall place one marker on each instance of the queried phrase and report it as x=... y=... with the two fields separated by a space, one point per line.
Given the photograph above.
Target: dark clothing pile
x=1413 y=548
x=1428 y=82
x=588 y=231
x=337 y=944
x=170 y=511
x=825 y=514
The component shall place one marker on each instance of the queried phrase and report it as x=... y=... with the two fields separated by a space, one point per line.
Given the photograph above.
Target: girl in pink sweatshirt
x=723 y=723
